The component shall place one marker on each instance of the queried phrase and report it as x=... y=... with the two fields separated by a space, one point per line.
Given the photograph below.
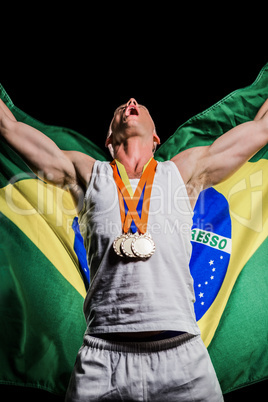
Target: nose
x=132 y=101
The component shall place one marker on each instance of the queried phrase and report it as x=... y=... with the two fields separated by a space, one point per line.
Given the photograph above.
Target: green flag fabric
x=44 y=278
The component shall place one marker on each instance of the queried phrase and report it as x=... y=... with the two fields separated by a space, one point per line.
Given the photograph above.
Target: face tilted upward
x=131 y=119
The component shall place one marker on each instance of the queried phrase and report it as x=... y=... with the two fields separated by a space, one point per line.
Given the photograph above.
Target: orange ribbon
x=132 y=203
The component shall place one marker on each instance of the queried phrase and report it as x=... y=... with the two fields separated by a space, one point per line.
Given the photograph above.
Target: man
x=142 y=341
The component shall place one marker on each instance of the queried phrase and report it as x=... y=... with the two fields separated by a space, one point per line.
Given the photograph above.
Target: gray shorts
x=175 y=369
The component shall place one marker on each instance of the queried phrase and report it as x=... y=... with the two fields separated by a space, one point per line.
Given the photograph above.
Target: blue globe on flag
x=212 y=244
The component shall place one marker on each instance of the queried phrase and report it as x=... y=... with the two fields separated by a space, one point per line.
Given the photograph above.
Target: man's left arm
x=203 y=167
x=230 y=151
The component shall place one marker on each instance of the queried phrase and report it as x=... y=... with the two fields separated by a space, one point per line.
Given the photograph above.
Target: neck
x=134 y=155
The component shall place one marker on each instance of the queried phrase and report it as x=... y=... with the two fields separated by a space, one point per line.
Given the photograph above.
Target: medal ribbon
x=142 y=192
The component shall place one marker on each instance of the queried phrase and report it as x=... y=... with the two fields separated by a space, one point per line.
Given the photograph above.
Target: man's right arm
x=43 y=156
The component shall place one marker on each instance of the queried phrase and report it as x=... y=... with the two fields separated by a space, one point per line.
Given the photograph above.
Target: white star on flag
x=210 y=279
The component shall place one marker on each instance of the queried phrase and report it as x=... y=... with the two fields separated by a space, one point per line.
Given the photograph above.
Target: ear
x=156 y=138
x=109 y=140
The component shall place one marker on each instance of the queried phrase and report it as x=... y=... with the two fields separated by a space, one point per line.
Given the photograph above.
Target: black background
x=83 y=96
x=72 y=67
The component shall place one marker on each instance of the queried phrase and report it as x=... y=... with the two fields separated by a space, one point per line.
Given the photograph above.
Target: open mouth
x=131 y=110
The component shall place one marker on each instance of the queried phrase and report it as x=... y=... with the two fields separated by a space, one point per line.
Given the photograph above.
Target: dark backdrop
x=75 y=76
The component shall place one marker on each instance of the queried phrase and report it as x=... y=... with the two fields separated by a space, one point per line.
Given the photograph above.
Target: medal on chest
x=135 y=241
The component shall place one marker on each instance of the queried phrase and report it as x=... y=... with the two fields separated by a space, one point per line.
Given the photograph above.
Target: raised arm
x=69 y=170
x=203 y=167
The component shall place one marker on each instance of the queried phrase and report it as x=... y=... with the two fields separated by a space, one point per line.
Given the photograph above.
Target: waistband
x=139 y=347
x=113 y=337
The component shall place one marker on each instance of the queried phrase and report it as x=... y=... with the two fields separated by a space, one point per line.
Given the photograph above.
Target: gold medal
x=143 y=246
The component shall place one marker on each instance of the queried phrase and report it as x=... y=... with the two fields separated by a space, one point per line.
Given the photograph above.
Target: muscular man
x=142 y=341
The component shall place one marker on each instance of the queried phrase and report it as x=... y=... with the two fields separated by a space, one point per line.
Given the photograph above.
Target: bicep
x=203 y=167
x=41 y=154
x=230 y=151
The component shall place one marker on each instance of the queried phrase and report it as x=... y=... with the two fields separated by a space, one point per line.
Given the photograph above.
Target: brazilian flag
x=44 y=273
x=230 y=246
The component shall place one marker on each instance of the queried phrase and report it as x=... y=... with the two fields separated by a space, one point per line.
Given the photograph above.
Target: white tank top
x=139 y=295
